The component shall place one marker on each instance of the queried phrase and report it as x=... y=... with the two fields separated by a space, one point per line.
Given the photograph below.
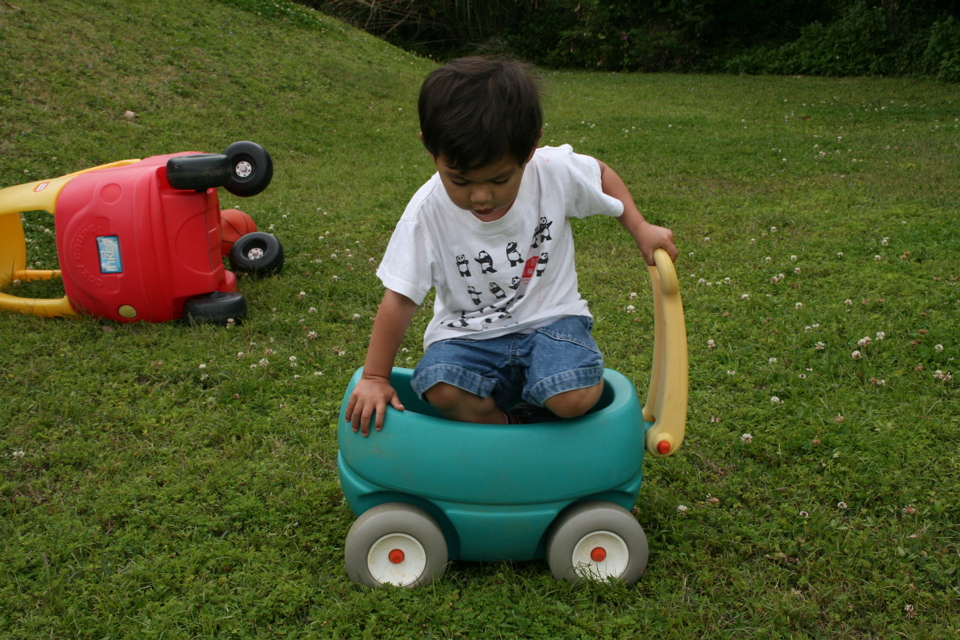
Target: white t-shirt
x=506 y=276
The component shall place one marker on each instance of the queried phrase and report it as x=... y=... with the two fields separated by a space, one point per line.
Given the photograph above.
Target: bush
x=942 y=56
x=858 y=43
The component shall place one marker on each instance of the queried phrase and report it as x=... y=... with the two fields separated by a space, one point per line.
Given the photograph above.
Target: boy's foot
x=526 y=413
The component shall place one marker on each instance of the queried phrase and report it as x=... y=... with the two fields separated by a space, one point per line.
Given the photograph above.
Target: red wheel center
x=599 y=554
x=396 y=556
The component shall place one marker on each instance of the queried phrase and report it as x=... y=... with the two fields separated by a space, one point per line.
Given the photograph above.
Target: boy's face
x=486 y=192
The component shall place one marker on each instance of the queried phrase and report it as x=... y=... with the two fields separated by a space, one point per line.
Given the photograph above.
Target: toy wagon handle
x=33 y=196
x=666 y=405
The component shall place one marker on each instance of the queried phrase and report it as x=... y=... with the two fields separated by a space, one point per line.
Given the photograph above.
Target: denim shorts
x=561 y=356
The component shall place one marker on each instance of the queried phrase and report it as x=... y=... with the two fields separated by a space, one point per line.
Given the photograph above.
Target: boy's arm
x=373 y=391
x=648 y=237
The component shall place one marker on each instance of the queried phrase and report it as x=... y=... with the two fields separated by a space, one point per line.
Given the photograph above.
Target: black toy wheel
x=214 y=308
x=199 y=172
x=251 y=169
x=257 y=253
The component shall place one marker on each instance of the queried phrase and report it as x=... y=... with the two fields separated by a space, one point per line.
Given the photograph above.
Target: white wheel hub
x=244 y=169
x=396 y=559
x=600 y=555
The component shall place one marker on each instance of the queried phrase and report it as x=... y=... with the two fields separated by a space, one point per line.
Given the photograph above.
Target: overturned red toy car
x=140 y=240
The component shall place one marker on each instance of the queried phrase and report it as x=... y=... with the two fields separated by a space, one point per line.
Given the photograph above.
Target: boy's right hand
x=369 y=399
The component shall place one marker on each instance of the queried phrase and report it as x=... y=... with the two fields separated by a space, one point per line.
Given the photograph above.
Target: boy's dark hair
x=474 y=111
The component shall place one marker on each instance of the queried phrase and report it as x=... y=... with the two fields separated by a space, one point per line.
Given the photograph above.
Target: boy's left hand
x=650 y=237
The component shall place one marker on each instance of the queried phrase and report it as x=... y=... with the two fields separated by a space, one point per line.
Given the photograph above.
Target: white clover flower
x=746 y=438
x=798 y=306
x=711 y=344
x=312 y=310
x=302 y=295
x=312 y=335
x=881 y=335
x=885 y=241
x=877 y=258
x=203 y=366
x=862 y=342
x=820 y=346
x=938 y=348
x=745 y=296
x=768 y=259
x=776 y=401
x=841 y=505
x=804 y=514
x=856 y=355
x=264 y=362
x=731 y=372
x=772 y=361
x=18 y=453
x=848 y=302
x=633 y=295
x=356 y=316
x=681 y=508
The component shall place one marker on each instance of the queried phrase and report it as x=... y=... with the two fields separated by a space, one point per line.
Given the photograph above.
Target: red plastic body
x=133 y=248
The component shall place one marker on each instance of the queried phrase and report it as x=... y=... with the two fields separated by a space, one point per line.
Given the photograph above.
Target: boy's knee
x=575 y=403
x=443 y=395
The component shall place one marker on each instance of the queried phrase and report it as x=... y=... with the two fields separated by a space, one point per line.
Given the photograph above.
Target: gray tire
x=597 y=541
x=395 y=544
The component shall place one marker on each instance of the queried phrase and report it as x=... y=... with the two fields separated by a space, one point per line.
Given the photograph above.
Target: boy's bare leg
x=454 y=403
x=576 y=402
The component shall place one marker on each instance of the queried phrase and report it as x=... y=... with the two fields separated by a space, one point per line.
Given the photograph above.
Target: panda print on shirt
x=494 y=295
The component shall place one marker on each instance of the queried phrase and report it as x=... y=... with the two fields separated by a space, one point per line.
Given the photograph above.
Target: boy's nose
x=480 y=195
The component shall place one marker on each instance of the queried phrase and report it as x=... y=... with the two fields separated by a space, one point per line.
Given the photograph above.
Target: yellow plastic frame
x=33 y=196
x=666 y=405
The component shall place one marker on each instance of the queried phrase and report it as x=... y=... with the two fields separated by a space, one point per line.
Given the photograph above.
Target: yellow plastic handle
x=667 y=399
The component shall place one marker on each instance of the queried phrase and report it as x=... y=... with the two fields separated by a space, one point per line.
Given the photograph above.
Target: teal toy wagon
x=427 y=490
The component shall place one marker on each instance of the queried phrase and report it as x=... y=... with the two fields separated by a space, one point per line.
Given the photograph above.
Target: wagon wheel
x=395 y=544
x=251 y=168
x=597 y=541
x=199 y=172
x=218 y=307
x=257 y=253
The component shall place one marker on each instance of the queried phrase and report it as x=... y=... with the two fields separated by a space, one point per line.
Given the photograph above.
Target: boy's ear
x=535 y=145
x=432 y=155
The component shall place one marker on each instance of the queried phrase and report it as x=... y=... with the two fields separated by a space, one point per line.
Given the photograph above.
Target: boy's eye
x=503 y=181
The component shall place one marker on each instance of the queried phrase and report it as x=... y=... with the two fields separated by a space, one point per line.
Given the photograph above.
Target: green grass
x=169 y=481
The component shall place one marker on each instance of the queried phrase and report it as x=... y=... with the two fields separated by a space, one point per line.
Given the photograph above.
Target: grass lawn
x=180 y=482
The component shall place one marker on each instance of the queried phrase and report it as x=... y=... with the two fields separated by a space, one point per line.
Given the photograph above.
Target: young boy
x=490 y=232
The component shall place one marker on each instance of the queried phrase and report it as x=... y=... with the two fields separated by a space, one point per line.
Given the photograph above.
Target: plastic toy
x=427 y=490
x=140 y=240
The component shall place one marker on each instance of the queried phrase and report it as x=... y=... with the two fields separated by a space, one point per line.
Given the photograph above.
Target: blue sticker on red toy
x=109 y=249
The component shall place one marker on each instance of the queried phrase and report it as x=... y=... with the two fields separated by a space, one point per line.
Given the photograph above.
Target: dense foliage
x=817 y=37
